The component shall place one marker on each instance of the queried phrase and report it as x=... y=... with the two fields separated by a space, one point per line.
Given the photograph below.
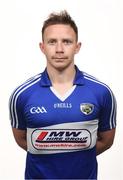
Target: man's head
x=60 y=18
x=59 y=41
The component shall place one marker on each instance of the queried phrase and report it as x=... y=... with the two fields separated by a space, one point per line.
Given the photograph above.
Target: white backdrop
x=100 y=24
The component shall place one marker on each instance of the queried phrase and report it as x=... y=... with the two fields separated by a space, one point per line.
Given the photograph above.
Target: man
x=62 y=117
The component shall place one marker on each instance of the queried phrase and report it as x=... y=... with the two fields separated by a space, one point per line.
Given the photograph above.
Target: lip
x=59 y=58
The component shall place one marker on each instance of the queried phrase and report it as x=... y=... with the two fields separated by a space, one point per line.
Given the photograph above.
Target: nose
x=59 y=48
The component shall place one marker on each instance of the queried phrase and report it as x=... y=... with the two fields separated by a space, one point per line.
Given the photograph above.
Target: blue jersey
x=62 y=131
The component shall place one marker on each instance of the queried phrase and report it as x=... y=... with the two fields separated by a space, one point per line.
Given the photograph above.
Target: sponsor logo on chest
x=64 y=137
x=61 y=139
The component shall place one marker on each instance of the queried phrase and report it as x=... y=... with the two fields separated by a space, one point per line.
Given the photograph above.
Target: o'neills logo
x=55 y=139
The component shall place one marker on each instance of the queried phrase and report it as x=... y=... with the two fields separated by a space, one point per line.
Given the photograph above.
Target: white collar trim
x=67 y=94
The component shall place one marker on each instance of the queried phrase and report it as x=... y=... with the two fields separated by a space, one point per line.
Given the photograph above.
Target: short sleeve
x=107 y=119
x=16 y=111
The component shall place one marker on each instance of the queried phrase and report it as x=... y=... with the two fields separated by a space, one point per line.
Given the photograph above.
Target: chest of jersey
x=44 y=108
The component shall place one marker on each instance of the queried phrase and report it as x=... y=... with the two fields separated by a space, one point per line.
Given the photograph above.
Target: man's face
x=59 y=46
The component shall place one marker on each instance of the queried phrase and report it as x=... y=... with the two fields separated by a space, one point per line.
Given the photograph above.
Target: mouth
x=59 y=58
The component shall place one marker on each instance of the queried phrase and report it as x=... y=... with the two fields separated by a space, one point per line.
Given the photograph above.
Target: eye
x=67 y=41
x=52 y=41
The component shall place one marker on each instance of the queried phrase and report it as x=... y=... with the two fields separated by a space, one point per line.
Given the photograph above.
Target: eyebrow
x=64 y=39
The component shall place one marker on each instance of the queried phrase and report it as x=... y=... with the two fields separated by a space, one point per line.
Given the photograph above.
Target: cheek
x=50 y=50
x=47 y=51
x=72 y=51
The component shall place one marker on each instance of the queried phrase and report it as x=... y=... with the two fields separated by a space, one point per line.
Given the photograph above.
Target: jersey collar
x=46 y=82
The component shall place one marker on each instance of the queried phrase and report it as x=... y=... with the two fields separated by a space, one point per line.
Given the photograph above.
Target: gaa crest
x=86 y=108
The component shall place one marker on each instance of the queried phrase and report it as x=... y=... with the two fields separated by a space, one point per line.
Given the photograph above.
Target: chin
x=61 y=67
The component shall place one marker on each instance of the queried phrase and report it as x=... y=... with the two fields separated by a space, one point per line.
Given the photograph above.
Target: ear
x=78 y=46
x=41 y=46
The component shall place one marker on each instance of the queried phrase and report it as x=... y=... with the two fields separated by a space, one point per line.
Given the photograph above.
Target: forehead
x=59 y=31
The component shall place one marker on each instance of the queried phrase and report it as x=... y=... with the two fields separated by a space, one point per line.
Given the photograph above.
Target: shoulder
x=101 y=90
x=95 y=83
x=26 y=87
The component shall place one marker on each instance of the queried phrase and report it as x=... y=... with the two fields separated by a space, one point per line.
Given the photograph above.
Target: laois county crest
x=86 y=108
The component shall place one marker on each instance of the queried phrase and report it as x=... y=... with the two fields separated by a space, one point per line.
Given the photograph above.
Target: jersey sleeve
x=16 y=111
x=107 y=119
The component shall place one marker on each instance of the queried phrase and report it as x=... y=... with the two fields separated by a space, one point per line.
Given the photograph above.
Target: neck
x=61 y=76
